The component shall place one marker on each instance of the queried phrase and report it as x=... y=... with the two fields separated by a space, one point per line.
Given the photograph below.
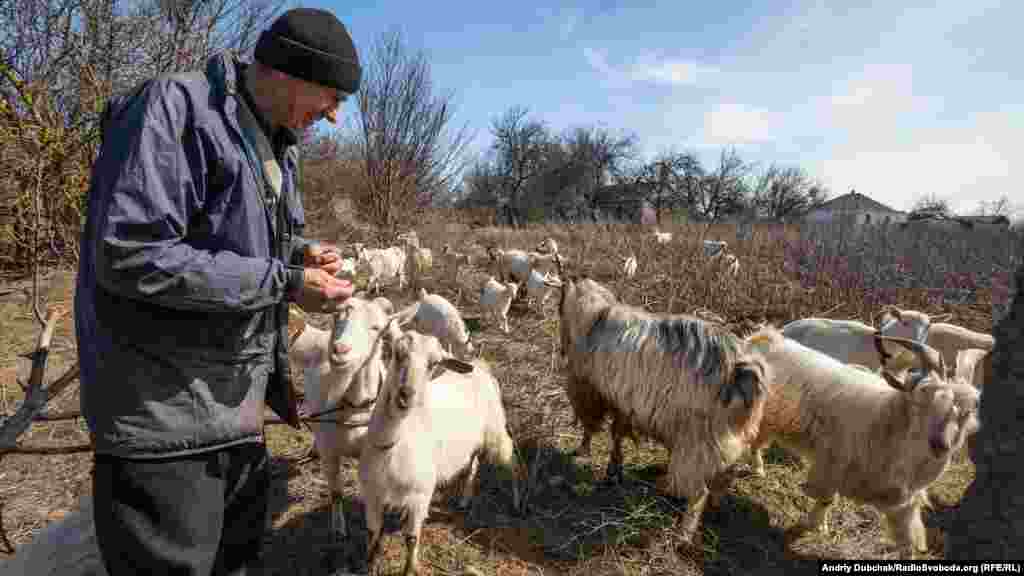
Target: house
x=855 y=208
x=996 y=223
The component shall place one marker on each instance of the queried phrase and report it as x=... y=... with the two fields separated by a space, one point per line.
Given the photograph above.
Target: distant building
x=997 y=223
x=855 y=208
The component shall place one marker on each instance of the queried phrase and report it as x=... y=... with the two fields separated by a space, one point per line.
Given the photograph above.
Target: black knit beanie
x=313 y=45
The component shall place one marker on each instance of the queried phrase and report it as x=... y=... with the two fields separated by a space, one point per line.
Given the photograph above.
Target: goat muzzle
x=404 y=397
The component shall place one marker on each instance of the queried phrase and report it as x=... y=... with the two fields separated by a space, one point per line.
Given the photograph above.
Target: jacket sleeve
x=152 y=185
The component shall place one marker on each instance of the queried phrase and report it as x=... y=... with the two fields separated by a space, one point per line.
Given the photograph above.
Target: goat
x=661 y=237
x=851 y=342
x=548 y=246
x=510 y=265
x=424 y=432
x=418 y=260
x=435 y=315
x=496 y=299
x=969 y=367
x=677 y=379
x=455 y=260
x=870 y=438
x=539 y=287
x=383 y=263
x=949 y=339
x=342 y=373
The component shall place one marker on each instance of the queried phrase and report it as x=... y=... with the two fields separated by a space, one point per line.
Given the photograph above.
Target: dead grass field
x=576 y=524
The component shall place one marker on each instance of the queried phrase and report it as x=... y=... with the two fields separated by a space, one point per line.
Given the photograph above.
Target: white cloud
x=732 y=123
x=879 y=97
x=653 y=68
x=965 y=165
x=650 y=67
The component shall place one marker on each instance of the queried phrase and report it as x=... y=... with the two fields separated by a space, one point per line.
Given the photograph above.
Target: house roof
x=855 y=202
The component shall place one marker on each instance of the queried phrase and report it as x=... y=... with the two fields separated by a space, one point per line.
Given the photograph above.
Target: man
x=190 y=255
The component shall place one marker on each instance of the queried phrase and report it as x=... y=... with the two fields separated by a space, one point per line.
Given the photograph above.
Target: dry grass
x=577 y=524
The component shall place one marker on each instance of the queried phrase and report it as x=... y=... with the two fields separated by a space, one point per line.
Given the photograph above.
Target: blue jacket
x=180 y=303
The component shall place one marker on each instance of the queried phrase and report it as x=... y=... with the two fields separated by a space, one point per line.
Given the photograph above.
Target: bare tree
x=930 y=206
x=411 y=156
x=721 y=192
x=780 y=193
x=999 y=207
x=520 y=147
x=670 y=180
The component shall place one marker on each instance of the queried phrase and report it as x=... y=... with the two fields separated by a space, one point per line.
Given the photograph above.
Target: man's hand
x=327 y=257
x=322 y=292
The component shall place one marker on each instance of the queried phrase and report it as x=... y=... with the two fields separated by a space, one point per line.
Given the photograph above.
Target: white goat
x=865 y=439
x=539 y=287
x=544 y=263
x=548 y=246
x=851 y=342
x=435 y=315
x=949 y=339
x=727 y=262
x=686 y=383
x=424 y=432
x=418 y=260
x=713 y=248
x=629 y=265
x=510 y=265
x=342 y=373
x=455 y=260
x=661 y=237
x=383 y=264
x=496 y=299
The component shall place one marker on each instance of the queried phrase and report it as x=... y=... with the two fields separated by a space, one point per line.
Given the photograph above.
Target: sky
x=896 y=100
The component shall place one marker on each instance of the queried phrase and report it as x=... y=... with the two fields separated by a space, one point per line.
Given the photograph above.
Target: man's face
x=306 y=103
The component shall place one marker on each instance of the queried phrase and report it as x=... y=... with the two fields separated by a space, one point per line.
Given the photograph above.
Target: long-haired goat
x=865 y=439
x=423 y=432
x=342 y=374
x=683 y=382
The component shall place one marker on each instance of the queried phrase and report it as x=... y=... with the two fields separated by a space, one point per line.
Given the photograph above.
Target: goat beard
x=941 y=436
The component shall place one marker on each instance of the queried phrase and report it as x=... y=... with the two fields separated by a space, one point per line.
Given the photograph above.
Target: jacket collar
x=225 y=73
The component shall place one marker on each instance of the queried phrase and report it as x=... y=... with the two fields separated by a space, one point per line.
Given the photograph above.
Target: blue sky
x=894 y=99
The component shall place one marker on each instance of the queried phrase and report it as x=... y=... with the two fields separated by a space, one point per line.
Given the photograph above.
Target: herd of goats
x=874 y=411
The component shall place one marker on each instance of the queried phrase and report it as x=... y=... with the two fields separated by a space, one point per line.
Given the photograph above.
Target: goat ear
x=456 y=365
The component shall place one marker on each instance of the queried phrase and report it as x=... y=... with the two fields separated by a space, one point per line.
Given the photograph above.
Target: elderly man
x=191 y=252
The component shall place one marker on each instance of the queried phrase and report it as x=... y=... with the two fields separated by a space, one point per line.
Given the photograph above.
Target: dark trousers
x=197 y=515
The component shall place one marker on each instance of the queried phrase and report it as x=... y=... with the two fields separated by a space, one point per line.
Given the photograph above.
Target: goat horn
x=930 y=358
x=893 y=381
